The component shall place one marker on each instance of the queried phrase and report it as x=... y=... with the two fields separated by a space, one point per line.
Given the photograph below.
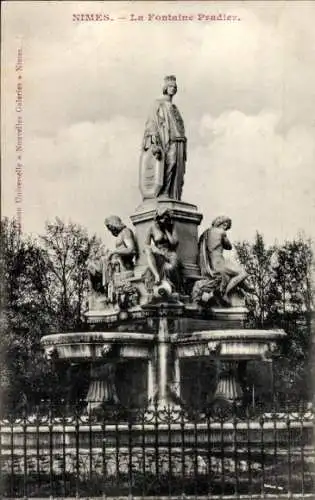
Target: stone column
x=165 y=373
x=177 y=377
x=151 y=381
x=163 y=355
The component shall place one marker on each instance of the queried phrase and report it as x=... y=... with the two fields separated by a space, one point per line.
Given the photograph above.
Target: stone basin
x=94 y=346
x=161 y=357
x=228 y=344
x=241 y=344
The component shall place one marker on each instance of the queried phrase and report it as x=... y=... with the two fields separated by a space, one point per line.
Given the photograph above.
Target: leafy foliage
x=281 y=278
x=259 y=264
x=24 y=316
x=44 y=289
x=66 y=252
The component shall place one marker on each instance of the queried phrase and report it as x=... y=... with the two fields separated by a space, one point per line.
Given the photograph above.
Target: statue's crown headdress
x=170 y=79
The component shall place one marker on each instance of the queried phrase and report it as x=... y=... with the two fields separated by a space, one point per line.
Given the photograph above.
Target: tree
x=24 y=318
x=258 y=260
x=67 y=248
x=292 y=309
x=44 y=287
x=281 y=278
x=292 y=277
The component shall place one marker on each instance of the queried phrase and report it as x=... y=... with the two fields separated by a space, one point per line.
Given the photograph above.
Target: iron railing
x=158 y=452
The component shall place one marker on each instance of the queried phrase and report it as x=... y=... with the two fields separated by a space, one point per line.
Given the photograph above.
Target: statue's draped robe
x=165 y=128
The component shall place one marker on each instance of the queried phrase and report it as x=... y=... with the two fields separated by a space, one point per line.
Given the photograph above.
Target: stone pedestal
x=229 y=387
x=187 y=220
x=102 y=389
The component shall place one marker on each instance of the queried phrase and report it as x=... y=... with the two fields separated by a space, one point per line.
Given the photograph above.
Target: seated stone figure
x=221 y=275
x=109 y=271
x=160 y=246
x=126 y=252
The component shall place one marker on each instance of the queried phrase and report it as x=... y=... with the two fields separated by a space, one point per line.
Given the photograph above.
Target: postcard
x=157 y=233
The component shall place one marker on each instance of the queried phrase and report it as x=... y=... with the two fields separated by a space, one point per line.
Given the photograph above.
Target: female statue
x=161 y=244
x=212 y=262
x=164 y=143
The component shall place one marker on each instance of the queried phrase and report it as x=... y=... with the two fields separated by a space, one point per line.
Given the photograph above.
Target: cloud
x=263 y=179
x=85 y=172
x=246 y=92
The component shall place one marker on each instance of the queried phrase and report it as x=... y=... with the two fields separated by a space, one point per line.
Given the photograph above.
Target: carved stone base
x=230 y=314
x=228 y=387
x=187 y=220
x=102 y=387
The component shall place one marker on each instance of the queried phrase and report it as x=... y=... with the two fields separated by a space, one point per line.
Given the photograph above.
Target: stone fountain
x=165 y=300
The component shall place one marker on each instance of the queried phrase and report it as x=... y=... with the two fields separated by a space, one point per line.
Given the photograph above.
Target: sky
x=246 y=91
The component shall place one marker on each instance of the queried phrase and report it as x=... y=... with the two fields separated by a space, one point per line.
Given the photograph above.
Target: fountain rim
x=94 y=337
x=245 y=335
